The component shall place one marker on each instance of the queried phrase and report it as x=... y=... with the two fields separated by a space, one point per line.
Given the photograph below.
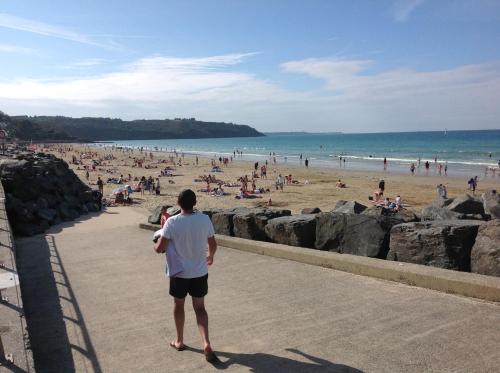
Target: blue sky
x=352 y=66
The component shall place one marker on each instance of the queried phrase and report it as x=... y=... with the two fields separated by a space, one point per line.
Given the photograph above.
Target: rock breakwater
x=41 y=190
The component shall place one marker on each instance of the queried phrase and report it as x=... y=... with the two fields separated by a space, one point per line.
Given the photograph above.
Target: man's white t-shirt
x=189 y=234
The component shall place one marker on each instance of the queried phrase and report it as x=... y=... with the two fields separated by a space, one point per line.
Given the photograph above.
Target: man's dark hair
x=186 y=199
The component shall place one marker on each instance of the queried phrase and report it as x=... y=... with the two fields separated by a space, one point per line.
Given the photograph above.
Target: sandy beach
x=315 y=187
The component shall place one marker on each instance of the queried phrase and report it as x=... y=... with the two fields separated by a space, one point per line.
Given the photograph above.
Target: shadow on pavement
x=267 y=363
x=13 y=368
x=51 y=308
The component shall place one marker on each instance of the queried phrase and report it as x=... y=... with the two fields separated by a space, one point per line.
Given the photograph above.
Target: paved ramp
x=96 y=301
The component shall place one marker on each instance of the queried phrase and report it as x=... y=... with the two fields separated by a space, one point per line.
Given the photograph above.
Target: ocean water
x=467 y=153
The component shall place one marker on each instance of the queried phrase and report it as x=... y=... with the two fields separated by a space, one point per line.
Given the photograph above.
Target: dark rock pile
x=42 y=191
x=443 y=236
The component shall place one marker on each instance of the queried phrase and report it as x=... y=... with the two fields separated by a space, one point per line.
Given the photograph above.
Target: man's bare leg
x=202 y=321
x=179 y=317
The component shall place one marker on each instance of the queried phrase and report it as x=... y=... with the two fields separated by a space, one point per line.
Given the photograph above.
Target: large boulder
x=297 y=230
x=442 y=202
x=174 y=210
x=349 y=207
x=390 y=218
x=42 y=203
x=223 y=220
x=466 y=204
x=485 y=256
x=439 y=213
x=430 y=213
x=445 y=243
x=210 y=212
x=355 y=234
x=491 y=203
x=250 y=224
x=47 y=214
x=93 y=206
x=310 y=210
x=155 y=216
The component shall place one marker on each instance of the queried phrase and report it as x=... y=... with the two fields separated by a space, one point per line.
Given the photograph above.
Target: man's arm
x=212 y=248
x=161 y=245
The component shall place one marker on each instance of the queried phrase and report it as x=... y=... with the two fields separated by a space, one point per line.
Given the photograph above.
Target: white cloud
x=403 y=8
x=350 y=79
x=9 y=48
x=86 y=63
x=35 y=27
x=213 y=88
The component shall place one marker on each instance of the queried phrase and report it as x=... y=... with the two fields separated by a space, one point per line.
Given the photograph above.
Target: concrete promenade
x=95 y=298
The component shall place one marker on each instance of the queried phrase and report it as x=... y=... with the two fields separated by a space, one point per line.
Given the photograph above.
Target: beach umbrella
x=119 y=190
x=122 y=189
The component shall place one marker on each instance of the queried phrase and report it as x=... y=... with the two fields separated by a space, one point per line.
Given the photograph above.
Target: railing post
x=5 y=359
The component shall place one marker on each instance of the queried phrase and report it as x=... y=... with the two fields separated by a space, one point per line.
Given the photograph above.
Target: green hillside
x=103 y=129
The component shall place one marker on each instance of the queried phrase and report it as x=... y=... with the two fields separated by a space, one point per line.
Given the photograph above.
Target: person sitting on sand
x=340 y=184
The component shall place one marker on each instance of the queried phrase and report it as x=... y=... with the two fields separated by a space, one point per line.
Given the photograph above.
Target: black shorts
x=196 y=287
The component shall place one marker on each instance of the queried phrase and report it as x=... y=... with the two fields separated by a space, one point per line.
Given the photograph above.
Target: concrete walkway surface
x=96 y=300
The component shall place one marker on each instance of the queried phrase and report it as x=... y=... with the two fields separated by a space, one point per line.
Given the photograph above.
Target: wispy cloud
x=9 y=48
x=352 y=97
x=403 y=8
x=40 y=28
x=86 y=63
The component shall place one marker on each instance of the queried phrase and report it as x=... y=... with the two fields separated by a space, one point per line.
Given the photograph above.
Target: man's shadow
x=263 y=363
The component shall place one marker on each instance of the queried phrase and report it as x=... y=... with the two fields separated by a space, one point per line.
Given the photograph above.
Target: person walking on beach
x=381 y=185
x=306 y=162
x=385 y=163
x=100 y=185
x=157 y=189
x=472 y=184
x=185 y=238
x=279 y=182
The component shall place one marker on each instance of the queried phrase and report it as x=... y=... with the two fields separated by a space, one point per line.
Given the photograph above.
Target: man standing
x=185 y=238
x=100 y=185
